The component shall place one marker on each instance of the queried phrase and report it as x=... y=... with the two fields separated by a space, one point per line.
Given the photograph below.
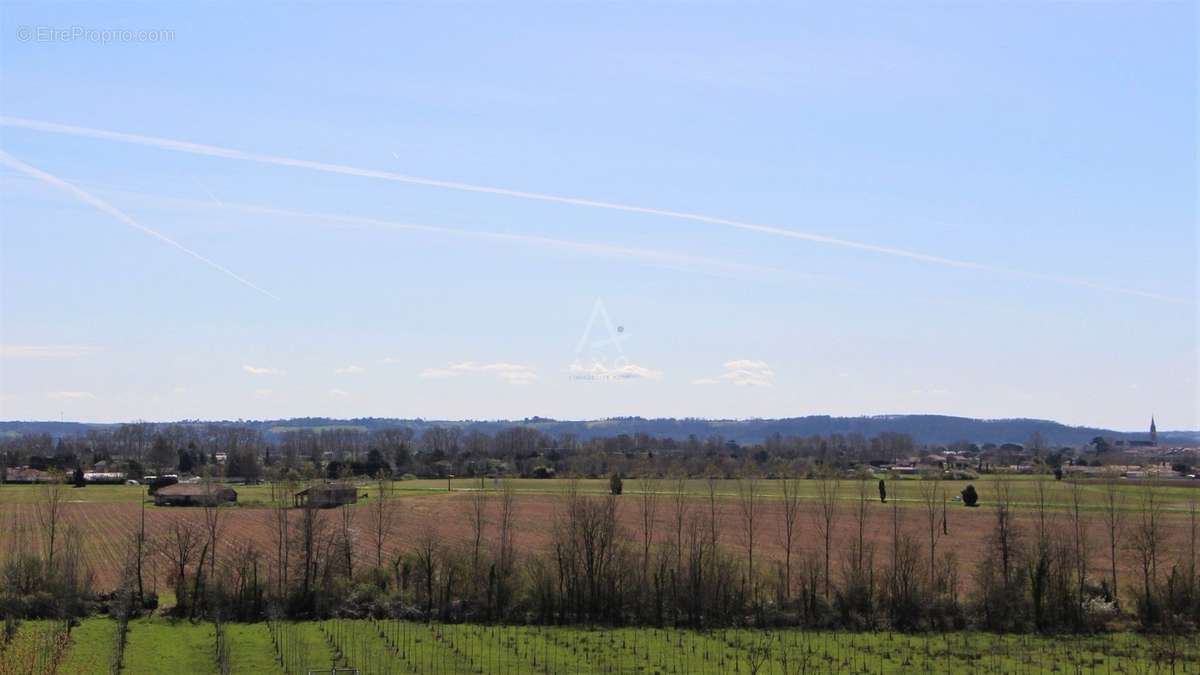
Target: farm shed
x=23 y=474
x=193 y=494
x=328 y=495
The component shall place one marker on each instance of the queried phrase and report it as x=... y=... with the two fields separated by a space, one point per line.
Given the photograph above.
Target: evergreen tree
x=615 y=484
x=186 y=463
x=970 y=496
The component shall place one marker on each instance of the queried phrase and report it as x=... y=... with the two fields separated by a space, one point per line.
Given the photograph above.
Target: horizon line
x=531 y=419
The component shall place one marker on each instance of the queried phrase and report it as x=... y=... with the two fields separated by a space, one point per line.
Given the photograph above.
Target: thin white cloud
x=258 y=370
x=601 y=371
x=70 y=395
x=349 y=370
x=45 y=351
x=390 y=360
x=439 y=373
x=339 y=393
x=747 y=364
x=742 y=372
x=263 y=393
x=512 y=373
x=113 y=211
x=229 y=153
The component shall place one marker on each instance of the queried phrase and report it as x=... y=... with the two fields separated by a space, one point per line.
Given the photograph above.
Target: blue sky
x=1010 y=187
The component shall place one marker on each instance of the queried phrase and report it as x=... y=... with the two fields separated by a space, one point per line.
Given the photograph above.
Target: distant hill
x=925 y=429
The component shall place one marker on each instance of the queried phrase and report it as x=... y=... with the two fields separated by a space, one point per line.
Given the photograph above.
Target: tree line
x=679 y=564
x=245 y=452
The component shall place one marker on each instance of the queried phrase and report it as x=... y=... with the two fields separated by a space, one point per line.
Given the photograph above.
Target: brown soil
x=107 y=529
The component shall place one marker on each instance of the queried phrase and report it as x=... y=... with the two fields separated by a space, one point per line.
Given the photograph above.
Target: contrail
x=113 y=211
x=652 y=255
x=669 y=259
x=229 y=153
x=209 y=192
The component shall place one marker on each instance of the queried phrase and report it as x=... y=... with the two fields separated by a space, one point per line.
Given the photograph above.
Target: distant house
x=108 y=477
x=24 y=474
x=194 y=494
x=1085 y=471
x=326 y=496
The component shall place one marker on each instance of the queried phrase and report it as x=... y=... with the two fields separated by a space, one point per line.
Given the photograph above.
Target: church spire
x=1153 y=432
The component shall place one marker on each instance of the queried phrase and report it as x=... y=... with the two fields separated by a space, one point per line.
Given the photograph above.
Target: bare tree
x=828 y=484
x=129 y=588
x=179 y=548
x=1041 y=563
x=791 y=514
x=861 y=514
x=1005 y=533
x=212 y=522
x=748 y=501
x=998 y=574
x=679 y=516
x=49 y=508
x=758 y=652
x=1080 y=548
x=1147 y=540
x=346 y=537
x=931 y=501
x=477 y=509
x=311 y=528
x=647 y=515
x=587 y=545
x=383 y=513
x=139 y=551
x=895 y=526
x=427 y=550
x=1045 y=517
x=505 y=522
x=503 y=556
x=1193 y=533
x=896 y=577
x=281 y=492
x=713 y=514
x=1113 y=512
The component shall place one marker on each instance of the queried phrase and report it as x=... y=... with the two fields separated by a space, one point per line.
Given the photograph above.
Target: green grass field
x=91 y=650
x=35 y=647
x=164 y=646
x=1172 y=497
x=386 y=647
x=296 y=646
x=1022 y=487
x=251 y=651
